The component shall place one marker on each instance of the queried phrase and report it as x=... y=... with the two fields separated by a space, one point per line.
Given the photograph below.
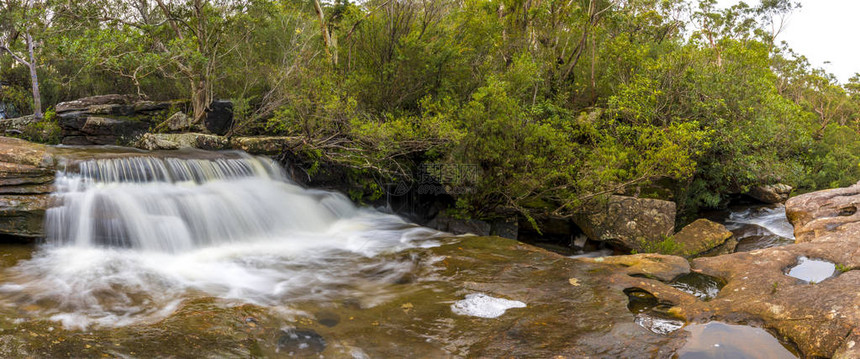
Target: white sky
x=824 y=30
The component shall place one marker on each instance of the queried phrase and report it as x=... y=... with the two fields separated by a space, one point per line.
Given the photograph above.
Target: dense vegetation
x=555 y=102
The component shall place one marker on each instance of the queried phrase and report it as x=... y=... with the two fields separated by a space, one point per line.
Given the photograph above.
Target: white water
x=131 y=238
x=484 y=306
x=772 y=219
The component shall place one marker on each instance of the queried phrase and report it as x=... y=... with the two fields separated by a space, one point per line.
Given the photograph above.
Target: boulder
x=174 y=141
x=115 y=119
x=825 y=215
x=774 y=193
x=701 y=236
x=451 y=225
x=15 y=126
x=219 y=117
x=264 y=145
x=26 y=177
x=177 y=122
x=103 y=102
x=628 y=222
x=505 y=228
x=80 y=128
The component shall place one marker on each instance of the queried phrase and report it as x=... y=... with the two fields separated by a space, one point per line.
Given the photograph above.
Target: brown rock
x=774 y=193
x=179 y=121
x=825 y=215
x=26 y=174
x=659 y=266
x=171 y=141
x=816 y=317
x=701 y=236
x=87 y=102
x=628 y=222
x=266 y=145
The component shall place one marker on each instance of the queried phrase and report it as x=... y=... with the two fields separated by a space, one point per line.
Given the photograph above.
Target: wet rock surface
x=26 y=176
x=573 y=310
x=816 y=317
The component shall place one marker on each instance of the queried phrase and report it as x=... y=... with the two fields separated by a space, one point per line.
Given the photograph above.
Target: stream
x=221 y=254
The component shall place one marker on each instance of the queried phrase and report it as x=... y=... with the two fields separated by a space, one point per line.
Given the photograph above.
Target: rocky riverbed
x=797 y=299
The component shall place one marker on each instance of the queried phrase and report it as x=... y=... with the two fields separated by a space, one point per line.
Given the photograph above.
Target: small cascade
x=173 y=205
x=130 y=237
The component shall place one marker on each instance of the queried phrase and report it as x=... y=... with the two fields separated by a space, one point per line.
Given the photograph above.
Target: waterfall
x=175 y=205
x=128 y=239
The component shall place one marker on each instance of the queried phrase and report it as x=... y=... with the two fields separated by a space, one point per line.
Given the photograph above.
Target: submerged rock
x=628 y=222
x=300 y=342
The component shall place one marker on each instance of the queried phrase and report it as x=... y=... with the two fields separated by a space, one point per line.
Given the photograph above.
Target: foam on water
x=130 y=239
x=484 y=306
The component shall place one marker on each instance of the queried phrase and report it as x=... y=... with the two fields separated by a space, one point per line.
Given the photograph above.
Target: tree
x=179 y=40
x=18 y=21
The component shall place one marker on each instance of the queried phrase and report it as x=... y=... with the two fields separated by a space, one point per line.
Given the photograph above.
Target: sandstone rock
x=115 y=119
x=816 y=317
x=219 y=117
x=171 y=141
x=662 y=267
x=264 y=145
x=87 y=102
x=825 y=215
x=26 y=174
x=177 y=122
x=15 y=126
x=701 y=236
x=628 y=222
x=775 y=193
x=23 y=215
x=79 y=128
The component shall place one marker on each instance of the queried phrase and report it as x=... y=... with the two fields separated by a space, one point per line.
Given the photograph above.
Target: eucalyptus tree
x=19 y=21
x=174 y=40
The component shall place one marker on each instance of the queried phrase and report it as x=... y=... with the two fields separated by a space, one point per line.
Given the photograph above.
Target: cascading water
x=760 y=227
x=129 y=238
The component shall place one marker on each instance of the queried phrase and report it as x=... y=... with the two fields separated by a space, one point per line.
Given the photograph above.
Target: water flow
x=130 y=238
x=760 y=227
x=175 y=205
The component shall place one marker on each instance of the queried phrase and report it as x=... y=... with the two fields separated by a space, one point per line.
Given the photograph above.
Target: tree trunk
x=34 y=77
x=200 y=99
x=329 y=48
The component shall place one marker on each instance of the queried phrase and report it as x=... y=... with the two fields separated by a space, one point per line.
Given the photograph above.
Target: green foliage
x=667 y=245
x=554 y=104
x=841 y=268
x=46 y=130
